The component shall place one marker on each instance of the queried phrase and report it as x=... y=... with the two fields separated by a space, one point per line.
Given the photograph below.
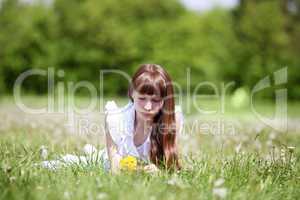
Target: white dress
x=120 y=123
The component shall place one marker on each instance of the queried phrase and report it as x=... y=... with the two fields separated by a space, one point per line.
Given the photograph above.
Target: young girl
x=145 y=128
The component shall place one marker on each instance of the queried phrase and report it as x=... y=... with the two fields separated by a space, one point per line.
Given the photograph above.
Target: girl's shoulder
x=114 y=113
x=118 y=119
x=112 y=108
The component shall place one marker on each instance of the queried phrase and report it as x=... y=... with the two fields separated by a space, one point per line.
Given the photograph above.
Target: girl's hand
x=151 y=168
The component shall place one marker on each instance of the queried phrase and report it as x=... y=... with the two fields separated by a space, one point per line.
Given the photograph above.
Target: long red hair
x=153 y=79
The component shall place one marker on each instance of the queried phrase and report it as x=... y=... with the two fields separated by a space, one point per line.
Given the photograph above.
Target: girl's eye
x=156 y=100
x=142 y=98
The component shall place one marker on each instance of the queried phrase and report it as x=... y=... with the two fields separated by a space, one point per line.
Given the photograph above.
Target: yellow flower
x=128 y=163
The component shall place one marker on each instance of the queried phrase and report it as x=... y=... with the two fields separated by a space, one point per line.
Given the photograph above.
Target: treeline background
x=81 y=37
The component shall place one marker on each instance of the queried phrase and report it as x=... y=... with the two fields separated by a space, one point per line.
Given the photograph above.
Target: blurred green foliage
x=82 y=37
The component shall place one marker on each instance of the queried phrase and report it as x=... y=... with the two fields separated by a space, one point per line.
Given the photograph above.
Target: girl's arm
x=114 y=157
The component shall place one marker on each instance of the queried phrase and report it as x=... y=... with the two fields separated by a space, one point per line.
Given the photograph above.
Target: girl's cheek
x=139 y=105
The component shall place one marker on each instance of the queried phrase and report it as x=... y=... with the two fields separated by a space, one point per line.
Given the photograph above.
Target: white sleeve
x=113 y=121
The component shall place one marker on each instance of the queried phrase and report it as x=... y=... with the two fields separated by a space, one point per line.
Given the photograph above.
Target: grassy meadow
x=252 y=162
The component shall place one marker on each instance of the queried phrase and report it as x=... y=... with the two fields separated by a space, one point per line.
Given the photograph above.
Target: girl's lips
x=147 y=114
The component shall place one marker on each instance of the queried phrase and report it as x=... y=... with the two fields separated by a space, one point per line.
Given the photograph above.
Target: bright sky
x=209 y=4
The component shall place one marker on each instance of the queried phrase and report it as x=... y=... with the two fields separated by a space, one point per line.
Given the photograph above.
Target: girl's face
x=147 y=106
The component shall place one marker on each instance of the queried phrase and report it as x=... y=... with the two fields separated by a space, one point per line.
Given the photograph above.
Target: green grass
x=247 y=175
x=264 y=167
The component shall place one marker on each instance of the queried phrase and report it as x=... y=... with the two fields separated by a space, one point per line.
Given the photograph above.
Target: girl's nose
x=148 y=105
